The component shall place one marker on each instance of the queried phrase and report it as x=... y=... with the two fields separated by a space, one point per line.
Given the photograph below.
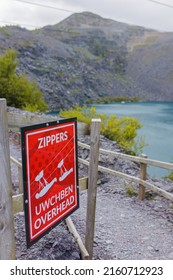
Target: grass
x=130 y=191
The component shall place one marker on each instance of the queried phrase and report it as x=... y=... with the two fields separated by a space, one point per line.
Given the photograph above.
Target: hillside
x=86 y=56
x=154 y=75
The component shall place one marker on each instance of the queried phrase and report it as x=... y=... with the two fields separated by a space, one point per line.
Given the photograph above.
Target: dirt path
x=127 y=228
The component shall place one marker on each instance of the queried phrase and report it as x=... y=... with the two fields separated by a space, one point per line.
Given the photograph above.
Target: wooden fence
x=143 y=161
x=8 y=206
x=7 y=240
x=89 y=183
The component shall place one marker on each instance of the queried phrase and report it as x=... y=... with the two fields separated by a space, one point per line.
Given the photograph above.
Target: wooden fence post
x=143 y=176
x=20 y=177
x=7 y=239
x=92 y=185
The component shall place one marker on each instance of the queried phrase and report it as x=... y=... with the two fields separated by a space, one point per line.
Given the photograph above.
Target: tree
x=17 y=90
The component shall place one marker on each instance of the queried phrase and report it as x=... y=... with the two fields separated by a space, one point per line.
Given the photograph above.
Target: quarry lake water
x=157 y=121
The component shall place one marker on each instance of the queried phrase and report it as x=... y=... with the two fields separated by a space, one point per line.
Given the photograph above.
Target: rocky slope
x=86 y=57
x=153 y=75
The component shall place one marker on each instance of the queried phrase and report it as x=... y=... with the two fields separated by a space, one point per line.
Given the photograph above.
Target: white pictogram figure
x=64 y=172
x=44 y=186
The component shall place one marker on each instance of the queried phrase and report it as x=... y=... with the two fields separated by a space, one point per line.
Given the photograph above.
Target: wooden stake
x=20 y=178
x=143 y=176
x=7 y=240
x=72 y=229
x=92 y=186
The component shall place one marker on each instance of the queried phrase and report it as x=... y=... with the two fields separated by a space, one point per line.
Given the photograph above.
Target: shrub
x=122 y=130
x=169 y=176
x=17 y=90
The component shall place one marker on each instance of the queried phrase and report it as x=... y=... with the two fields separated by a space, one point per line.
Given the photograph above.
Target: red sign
x=49 y=154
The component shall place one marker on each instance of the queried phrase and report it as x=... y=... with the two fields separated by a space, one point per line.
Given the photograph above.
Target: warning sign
x=49 y=156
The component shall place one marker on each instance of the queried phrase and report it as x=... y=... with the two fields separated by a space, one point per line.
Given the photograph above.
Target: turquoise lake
x=157 y=121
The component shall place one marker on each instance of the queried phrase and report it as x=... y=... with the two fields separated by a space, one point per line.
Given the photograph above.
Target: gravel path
x=125 y=227
x=128 y=229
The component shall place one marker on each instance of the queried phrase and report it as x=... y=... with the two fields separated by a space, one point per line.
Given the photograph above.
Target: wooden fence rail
x=143 y=165
x=147 y=161
x=83 y=182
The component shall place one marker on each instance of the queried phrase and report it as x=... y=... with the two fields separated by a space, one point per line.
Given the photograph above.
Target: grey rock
x=93 y=60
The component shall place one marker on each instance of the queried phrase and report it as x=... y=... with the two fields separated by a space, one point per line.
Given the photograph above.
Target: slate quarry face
x=86 y=57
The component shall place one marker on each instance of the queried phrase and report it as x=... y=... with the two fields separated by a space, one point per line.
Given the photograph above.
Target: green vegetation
x=59 y=74
x=17 y=90
x=131 y=191
x=98 y=47
x=86 y=54
x=148 y=41
x=149 y=195
x=4 y=31
x=75 y=91
x=24 y=44
x=169 y=176
x=112 y=99
x=122 y=130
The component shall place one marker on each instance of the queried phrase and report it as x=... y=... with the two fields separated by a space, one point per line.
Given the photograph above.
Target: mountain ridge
x=86 y=57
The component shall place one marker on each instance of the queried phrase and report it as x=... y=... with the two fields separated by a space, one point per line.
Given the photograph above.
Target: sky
x=33 y=14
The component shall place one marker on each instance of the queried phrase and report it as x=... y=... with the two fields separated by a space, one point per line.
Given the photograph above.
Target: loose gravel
x=125 y=228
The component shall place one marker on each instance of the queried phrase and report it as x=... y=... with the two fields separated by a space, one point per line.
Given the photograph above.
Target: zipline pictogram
x=43 y=186
x=63 y=170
